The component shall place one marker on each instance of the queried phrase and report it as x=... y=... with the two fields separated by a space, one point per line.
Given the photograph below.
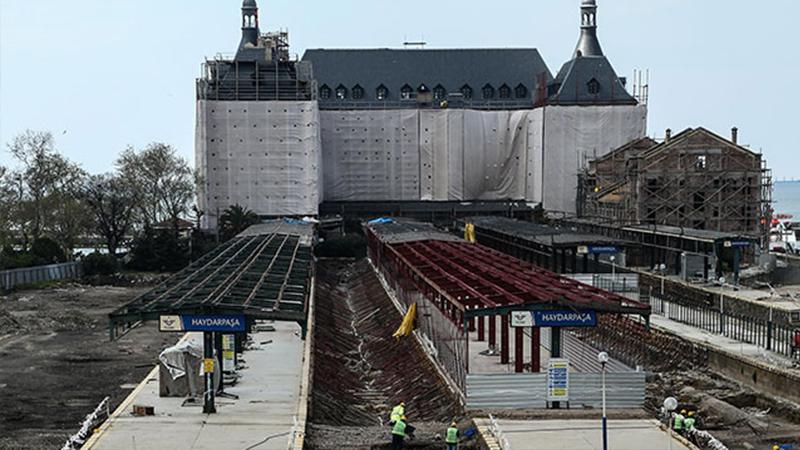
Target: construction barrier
x=50 y=272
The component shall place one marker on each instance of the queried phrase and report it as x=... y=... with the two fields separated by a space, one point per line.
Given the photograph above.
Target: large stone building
x=695 y=179
x=410 y=125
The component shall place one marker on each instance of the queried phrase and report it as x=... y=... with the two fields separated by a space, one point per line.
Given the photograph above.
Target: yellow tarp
x=407 y=326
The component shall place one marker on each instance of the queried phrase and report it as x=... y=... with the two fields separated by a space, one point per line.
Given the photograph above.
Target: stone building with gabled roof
x=694 y=179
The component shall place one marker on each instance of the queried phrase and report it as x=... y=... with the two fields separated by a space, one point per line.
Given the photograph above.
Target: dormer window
x=422 y=89
x=382 y=93
x=521 y=91
x=439 y=92
x=324 y=92
x=341 y=92
x=358 y=92
x=406 y=92
x=466 y=91
x=488 y=91
x=505 y=91
x=593 y=86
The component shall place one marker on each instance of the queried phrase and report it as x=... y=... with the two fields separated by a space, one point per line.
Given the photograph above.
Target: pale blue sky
x=104 y=74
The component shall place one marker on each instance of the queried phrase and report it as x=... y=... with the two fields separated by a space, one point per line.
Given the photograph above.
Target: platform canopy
x=263 y=273
x=467 y=280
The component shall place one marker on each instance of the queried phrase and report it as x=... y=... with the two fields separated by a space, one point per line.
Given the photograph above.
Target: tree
x=112 y=202
x=162 y=181
x=235 y=219
x=48 y=186
x=7 y=205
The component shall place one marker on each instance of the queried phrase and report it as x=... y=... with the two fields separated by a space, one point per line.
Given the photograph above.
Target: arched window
x=593 y=86
x=341 y=92
x=422 y=89
x=521 y=91
x=324 y=92
x=358 y=92
x=505 y=91
x=466 y=91
x=382 y=93
x=406 y=92
x=488 y=91
x=439 y=92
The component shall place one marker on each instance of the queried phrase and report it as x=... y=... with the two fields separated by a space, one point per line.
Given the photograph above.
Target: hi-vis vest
x=678 y=422
x=399 y=428
x=452 y=436
x=688 y=423
x=397 y=413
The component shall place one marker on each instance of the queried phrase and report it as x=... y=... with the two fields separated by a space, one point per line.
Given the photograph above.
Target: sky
x=103 y=75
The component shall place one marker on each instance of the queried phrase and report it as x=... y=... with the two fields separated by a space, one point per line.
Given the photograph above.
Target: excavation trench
x=361 y=371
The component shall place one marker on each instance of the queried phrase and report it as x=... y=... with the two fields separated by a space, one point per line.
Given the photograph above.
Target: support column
x=563 y=261
x=471 y=324
x=492 y=331
x=218 y=350
x=481 y=334
x=208 y=353
x=586 y=263
x=518 y=350
x=504 y=339
x=555 y=351
x=536 y=344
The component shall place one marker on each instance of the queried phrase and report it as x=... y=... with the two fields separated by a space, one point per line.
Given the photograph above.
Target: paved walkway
x=586 y=435
x=268 y=400
x=720 y=342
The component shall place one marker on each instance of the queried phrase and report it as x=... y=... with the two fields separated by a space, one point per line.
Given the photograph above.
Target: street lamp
x=670 y=404
x=613 y=271
x=602 y=357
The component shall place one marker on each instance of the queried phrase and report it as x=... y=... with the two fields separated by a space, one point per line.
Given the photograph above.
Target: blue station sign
x=218 y=323
x=600 y=250
x=565 y=318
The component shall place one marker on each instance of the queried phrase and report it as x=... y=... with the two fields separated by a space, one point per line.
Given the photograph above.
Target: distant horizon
x=130 y=69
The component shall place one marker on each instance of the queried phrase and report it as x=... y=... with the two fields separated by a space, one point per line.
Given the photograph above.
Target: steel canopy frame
x=477 y=281
x=266 y=276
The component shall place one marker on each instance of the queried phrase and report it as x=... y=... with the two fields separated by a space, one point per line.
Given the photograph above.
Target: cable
x=285 y=433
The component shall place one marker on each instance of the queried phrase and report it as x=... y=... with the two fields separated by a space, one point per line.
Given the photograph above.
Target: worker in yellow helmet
x=451 y=438
x=397 y=412
x=678 y=421
x=688 y=423
x=399 y=433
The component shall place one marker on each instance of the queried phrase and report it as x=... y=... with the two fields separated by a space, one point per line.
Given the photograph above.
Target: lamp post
x=613 y=271
x=602 y=357
x=670 y=404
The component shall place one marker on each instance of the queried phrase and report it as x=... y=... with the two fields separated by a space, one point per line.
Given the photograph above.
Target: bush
x=48 y=251
x=349 y=246
x=100 y=264
x=159 y=251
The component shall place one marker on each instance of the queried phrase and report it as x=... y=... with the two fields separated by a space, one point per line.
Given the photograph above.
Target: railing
x=763 y=333
x=28 y=275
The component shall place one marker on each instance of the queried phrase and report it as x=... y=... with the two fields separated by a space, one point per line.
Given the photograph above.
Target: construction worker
x=397 y=412
x=678 y=421
x=688 y=423
x=451 y=438
x=399 y=433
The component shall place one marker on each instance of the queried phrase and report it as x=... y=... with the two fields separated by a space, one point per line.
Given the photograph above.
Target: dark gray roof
x=691 y=233
x=571 y=86
x=452 y=68
x=540 y=233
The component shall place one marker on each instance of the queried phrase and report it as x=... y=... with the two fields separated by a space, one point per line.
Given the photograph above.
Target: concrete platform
x=268 y=403
x=586 y=434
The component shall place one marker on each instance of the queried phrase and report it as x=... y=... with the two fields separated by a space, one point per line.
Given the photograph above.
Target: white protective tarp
x=575 y=134
x=262 y=155
x=428 y=154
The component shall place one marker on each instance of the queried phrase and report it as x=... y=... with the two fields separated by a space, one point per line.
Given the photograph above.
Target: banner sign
x=566 y=318
x=558 y=380
x=222 y=323
x=603 y=249
x=738 y=244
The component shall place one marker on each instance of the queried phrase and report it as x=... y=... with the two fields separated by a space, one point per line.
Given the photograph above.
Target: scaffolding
x=694 y=180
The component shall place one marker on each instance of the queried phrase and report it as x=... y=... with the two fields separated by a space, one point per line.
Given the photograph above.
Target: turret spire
x=250 y=30
x=588 y=45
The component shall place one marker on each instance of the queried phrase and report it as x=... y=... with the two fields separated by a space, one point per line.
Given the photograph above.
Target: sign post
x=558 y=381
x=208 y=324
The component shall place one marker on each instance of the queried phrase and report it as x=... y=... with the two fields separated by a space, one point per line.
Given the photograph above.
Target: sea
x=786 y=198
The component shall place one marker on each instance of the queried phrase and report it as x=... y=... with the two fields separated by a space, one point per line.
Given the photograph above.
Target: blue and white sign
x=566 y=318
x=737 y=244
x=603 y=250
x=558 y=380
x=221 y=323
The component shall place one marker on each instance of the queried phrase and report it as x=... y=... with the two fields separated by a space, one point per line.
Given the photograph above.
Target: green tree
x=235 y=219
x=111 y=201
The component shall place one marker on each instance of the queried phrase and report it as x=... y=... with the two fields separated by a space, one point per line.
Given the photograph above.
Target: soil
x=58 y=363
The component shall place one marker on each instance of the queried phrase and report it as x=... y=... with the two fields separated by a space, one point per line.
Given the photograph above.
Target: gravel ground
x=58 y=363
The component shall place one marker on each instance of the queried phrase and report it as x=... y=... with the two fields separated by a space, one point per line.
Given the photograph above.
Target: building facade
x=415 y=125
x=695 y=179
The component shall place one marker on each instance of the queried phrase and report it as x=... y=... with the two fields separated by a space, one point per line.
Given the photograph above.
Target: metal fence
x=28 y=275
x=529 y=391
x=763 y=333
